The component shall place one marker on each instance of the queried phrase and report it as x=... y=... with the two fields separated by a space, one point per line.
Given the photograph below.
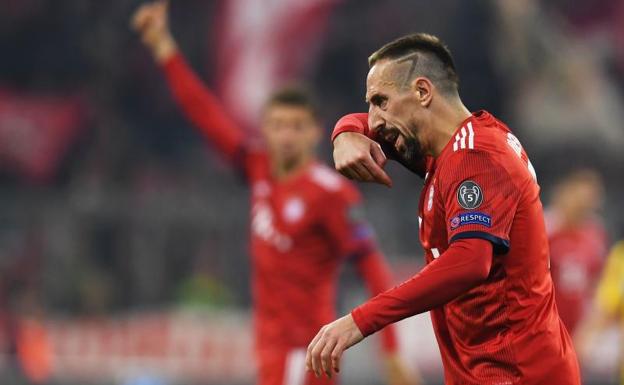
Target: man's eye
x=379 y=101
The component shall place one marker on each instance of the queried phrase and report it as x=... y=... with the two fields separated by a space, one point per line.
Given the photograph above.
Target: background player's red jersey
x=505 y=330
x=302 y=228
x=577 y=255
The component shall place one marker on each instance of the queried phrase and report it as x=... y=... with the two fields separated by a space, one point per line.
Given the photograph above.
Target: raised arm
x=360 y=155
x=199 y=105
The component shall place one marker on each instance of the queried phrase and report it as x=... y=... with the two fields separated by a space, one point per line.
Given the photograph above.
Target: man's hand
x=360 y=158
x=326 y=348
x=151 y=22
x=398 y=373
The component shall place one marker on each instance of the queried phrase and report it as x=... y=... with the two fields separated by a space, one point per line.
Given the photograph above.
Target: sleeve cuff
x=360 y=321
x=348 y=123
x=172 y=61
x=500 y=245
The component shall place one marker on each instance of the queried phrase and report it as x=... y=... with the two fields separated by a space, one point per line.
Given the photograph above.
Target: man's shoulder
x=481 y=140
x=328 y=183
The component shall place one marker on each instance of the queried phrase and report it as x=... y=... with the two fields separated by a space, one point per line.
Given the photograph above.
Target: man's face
x=395 y=114
x=290 y=132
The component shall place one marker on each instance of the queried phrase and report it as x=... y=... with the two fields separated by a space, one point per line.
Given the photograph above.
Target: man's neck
x=282 y=171
x=444 y=124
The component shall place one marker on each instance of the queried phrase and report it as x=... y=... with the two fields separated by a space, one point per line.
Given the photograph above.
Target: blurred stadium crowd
x=112 y=204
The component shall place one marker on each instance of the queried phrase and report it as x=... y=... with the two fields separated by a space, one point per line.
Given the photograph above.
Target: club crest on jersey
x=293 y=210
x=469 y=195
x=471 y=218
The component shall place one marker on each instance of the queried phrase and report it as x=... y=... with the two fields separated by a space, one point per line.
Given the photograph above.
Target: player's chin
x=288 y=159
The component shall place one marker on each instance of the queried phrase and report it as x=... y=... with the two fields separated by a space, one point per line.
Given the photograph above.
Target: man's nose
x=376 y=123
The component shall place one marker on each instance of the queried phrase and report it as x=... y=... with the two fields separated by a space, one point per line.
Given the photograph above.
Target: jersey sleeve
x=462 y=266
x=376 y=274
x=345 y=222
x=479 y=198
x=610 y=291
x=204 y=110
x=355 y=122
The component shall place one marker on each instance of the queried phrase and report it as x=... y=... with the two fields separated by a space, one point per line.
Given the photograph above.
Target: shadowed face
x=395 y=112
x=290 y=132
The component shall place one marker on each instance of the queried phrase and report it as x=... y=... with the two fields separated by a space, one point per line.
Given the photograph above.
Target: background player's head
x=408 y=78
x=290 y=126
x=578 y=196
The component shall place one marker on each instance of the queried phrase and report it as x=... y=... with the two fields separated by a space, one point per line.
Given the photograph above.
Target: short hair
x=295 y=96
x=581 y=176
x=429 y=55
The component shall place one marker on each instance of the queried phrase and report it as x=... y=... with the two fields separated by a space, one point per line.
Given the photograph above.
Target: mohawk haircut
x=294 y=96
x=429 y=57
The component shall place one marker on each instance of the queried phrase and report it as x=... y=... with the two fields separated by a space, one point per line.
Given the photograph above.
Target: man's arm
x=360 y=155
x=199 y=105
x=356 y=155
x=464 y=265
x=376 y=274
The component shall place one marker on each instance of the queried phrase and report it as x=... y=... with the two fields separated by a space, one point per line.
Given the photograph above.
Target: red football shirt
x=302 y=227
x=506 y=329
x=577 y=255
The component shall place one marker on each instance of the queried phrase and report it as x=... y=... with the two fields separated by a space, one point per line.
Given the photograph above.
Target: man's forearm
x=464 y=265
x=375 y=272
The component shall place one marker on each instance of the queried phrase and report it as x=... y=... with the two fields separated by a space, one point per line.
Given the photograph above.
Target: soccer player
x=305 y=217
x=577 y=241
x=487 y=283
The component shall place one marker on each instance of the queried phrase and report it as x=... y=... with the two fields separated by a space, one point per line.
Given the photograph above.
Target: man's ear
x=423 y=88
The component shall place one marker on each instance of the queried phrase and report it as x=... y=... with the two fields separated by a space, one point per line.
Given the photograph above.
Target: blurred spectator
x=578 y=242
x=608 y=307
x=34 y=351
x=202 y=288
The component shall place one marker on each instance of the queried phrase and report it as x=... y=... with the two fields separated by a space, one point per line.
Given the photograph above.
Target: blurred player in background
x=608 y=309
x=487 y=282
x=305 y=220
x=578 y=242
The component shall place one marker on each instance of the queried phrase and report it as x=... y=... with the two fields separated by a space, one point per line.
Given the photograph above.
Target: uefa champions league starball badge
x=469 y=195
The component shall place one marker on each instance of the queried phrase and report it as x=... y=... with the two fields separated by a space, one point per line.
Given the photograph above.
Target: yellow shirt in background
x=610 y=292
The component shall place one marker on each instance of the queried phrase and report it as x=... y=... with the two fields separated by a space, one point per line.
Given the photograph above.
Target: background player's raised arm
x=199 y=105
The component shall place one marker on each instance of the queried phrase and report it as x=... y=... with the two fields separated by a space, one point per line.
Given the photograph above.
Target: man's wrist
x=360 y=322
x=165 y=50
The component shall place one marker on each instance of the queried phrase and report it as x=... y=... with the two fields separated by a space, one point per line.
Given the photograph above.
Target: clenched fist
x=360 y=158
x=151 y=22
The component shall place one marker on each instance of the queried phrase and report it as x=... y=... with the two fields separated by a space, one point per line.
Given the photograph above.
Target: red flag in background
x=35 y=132
x=261 y=45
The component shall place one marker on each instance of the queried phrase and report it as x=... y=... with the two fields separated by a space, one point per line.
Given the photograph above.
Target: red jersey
x=301 y=231
x=302 y=227
x=576 y=255
x=505 y=329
